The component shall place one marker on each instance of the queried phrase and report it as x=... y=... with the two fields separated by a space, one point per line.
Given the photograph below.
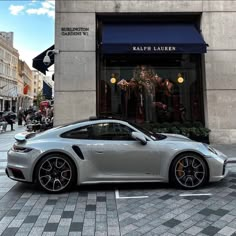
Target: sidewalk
x=7 y=138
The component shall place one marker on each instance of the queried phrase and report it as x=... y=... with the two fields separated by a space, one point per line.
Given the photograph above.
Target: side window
x=122 y=132
x=102 y=131
x=112 y=131
x=81 y=133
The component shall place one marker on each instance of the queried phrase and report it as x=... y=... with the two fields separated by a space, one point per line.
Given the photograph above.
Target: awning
x=38 y=61
x=152 y=38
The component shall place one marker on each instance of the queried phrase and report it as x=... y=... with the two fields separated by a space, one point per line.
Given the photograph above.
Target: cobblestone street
x=121 y=209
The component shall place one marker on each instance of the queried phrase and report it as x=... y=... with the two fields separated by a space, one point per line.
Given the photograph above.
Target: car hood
x=176 y=137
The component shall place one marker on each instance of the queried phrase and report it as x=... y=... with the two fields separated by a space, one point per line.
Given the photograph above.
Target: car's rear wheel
x=55 y=173
x=189 y=171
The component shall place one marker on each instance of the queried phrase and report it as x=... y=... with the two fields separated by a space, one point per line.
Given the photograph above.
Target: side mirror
x=140 y=137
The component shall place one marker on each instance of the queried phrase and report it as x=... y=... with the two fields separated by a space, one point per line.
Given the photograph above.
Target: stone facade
x=75 y=65
x=9 y=57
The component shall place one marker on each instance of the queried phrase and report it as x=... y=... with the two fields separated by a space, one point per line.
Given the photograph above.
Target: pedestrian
x=20 y=116
x=3 y=123
x=10 y=120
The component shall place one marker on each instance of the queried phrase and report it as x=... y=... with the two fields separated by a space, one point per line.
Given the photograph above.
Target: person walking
x=10 y=120
x=3 y=123
x=20 y=116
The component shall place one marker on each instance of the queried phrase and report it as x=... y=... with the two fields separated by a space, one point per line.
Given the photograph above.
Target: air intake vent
x=78 y=152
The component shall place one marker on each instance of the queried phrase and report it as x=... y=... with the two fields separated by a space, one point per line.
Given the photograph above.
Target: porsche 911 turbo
x=111 y=151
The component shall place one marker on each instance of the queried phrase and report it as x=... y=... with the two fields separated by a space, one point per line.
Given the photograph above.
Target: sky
x=32 y=22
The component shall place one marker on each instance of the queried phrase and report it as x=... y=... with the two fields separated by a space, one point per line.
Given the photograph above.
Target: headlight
x=16 y=148
x=211 y=149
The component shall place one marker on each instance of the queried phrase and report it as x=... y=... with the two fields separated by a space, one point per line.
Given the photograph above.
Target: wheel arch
x=188 y=152
x=56 y=153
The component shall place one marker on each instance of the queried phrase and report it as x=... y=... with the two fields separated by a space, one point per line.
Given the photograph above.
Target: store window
x=151 y=88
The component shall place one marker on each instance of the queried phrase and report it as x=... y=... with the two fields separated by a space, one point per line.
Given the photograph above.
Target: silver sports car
x=108 y=151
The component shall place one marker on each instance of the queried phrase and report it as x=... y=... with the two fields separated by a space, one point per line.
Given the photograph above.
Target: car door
x=117 y=156
x=108 y=152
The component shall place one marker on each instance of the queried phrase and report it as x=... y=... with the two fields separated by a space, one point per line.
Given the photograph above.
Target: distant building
x=38 y=78
x=7 y=36
x=25 y=99
x=9 y=57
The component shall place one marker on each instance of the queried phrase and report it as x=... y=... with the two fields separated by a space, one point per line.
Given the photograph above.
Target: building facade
x=8 y=72
x=147 y=61
x=25 y=99
x=37 y=83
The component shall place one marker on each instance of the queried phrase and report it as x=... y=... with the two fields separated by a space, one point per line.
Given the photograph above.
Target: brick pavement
x=94 y=210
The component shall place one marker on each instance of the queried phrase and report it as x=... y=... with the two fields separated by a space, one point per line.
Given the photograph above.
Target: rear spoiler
x=21 y=137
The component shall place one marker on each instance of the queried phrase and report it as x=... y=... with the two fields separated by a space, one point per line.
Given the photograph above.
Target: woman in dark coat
x=9 y=120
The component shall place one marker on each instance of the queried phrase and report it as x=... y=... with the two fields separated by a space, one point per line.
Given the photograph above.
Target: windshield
x=149 y=133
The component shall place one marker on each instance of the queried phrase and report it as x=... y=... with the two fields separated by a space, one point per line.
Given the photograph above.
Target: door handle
x=99 y=152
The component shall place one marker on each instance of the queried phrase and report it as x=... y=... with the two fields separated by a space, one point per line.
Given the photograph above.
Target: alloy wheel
x=190 y=171
x=55 y=174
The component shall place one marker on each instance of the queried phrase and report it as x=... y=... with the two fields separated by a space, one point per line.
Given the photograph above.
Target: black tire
x=55 y=173
x=189 y=171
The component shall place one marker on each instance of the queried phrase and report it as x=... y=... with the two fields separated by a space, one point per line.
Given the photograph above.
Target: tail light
x=16 y=148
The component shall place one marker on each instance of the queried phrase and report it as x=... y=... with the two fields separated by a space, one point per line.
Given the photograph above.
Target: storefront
x=150 y=71
x=147 y=61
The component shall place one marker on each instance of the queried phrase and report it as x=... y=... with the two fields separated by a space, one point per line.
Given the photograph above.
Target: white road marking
x=195 y=194
x=118 y=196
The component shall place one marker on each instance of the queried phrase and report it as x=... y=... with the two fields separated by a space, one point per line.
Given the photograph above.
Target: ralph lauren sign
x=152 y=48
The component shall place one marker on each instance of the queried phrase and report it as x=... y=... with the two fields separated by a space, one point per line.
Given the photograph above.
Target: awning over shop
x=38 y=61
x=152 y=38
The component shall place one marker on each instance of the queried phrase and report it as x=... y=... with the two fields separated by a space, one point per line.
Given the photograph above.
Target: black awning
x=152 y=38
x=38 y=61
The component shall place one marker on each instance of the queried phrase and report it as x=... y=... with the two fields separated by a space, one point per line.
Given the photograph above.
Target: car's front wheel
x=55 y=173
x=189 y=171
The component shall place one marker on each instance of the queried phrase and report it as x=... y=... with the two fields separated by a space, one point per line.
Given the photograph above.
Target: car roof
x=93 y=118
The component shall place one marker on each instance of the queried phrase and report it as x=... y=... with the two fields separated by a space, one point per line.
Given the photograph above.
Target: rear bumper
x=20 y=165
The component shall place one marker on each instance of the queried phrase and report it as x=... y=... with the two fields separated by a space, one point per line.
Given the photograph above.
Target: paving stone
x=227 y=231
x=10 y=231
x=76 y=227
x=172 y=223
x=51 y=227
x=210 y=230
x=88 y=231
x=100 y=233
x=220 y=224
x=126 y=229
x=54 y=219
x=194 y=230
x=30 y=219
x=160 y=230
x=12 y=213
x=228 y=218
x=63 y=230
x=144 y=229
x=36 y=231
x=101 y=199
x=67 y=214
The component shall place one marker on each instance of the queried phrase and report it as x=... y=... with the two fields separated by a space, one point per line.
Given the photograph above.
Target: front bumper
x=218 y=167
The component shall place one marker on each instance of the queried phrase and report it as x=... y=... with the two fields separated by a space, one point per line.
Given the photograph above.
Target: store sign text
x=74 y=31
x=153 y=49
